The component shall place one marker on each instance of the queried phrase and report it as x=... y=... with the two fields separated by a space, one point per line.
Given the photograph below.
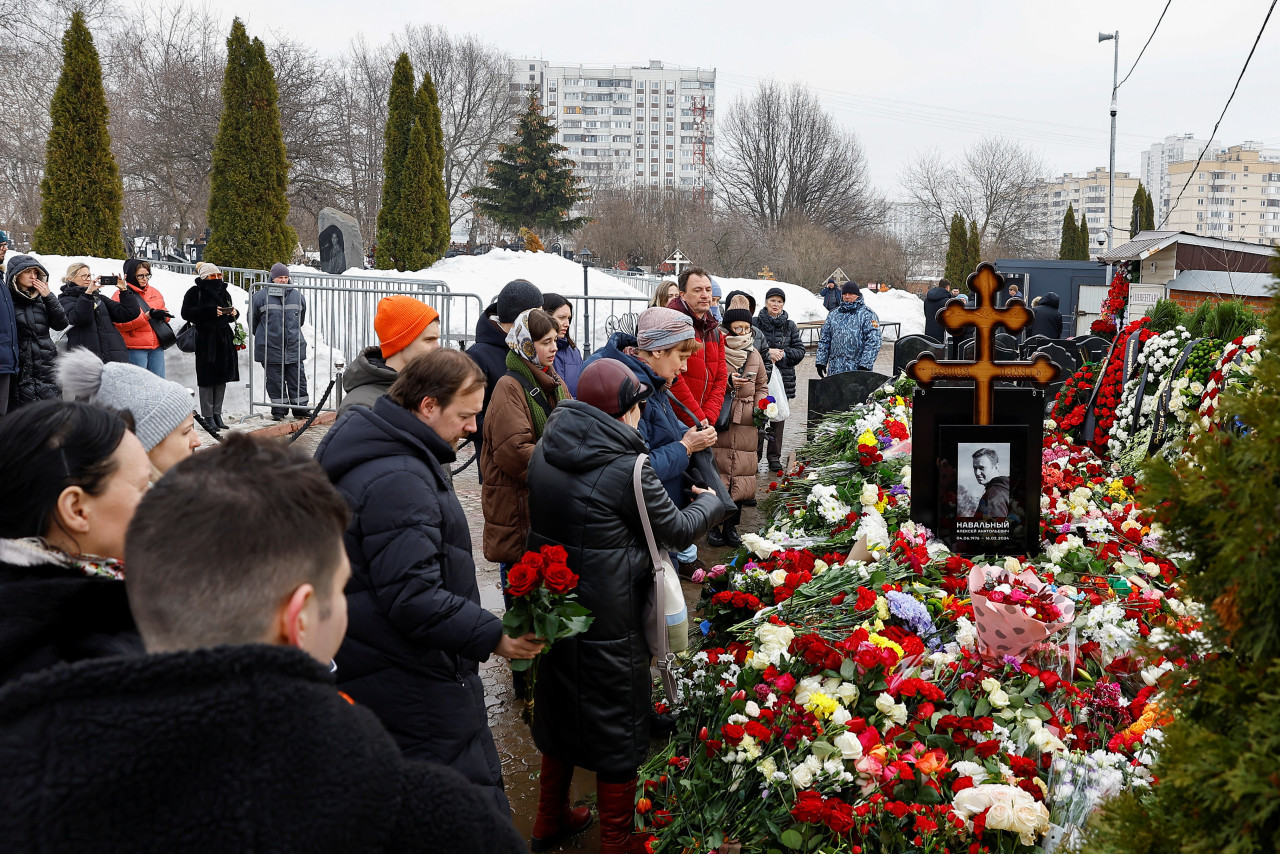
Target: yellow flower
x=867 y=438
x=822 y=705
x=885 y=643
x=882 y=608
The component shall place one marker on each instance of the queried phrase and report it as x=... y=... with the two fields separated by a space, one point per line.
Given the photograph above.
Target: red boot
x=556 y=822
x=617 y=805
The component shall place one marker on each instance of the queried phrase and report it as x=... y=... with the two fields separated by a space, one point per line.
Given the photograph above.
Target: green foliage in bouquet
x=1219 y=789
x=1228 y=320
x=1166 y=315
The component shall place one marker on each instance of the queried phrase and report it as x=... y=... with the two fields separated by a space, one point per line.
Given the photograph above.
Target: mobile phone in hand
x=108 y=281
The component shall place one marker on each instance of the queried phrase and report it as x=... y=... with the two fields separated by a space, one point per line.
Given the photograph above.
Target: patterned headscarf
x=519 y=339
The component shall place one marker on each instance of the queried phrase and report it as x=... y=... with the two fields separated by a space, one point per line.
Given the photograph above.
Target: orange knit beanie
x=399 y=320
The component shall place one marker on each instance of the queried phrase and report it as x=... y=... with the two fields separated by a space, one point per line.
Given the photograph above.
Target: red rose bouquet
x=542 y=602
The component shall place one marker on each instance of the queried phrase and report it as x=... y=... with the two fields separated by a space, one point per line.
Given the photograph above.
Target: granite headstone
x=840 y=391
x=341 y=244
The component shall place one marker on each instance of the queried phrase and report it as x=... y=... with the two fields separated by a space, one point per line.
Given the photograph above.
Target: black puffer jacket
x=416 y=632
x=1048 y=319
x=235 y=748
x=934 y=301
x=93 y=318
x=782 y=334
x=593 y=691
x=216 y=361
x=490 y=353
x=52 y=613
x=35 y=316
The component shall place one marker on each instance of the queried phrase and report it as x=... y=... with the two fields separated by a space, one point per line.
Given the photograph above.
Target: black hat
x=609 y=386
x=850 y=288
x=736 y=315
x=517 y=296
x=776 y=292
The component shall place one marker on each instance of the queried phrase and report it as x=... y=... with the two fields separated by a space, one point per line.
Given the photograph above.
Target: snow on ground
x=897 y=306
x=802 y=305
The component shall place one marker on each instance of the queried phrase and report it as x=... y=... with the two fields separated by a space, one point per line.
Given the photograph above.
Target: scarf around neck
x=517 y=365
x=736 y=349
x=36 y=551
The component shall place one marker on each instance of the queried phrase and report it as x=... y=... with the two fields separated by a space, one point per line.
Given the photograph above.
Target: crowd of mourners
x=250 y=648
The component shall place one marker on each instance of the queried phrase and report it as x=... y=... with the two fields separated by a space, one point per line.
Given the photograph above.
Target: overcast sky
x=906 y=76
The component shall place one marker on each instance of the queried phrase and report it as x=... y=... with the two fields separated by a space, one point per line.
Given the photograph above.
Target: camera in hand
x=108 y=281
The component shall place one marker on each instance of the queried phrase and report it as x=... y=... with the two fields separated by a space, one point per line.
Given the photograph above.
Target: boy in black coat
x=230 y=734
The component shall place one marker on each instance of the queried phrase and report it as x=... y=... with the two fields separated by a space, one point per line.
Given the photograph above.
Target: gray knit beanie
x=278 y=270
x=158 y=405
x=662 y=329
x=517 y=296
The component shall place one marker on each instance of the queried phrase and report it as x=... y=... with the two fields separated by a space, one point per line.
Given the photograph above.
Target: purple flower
x=898 y=489
x=913 y=612
x=1011 y=662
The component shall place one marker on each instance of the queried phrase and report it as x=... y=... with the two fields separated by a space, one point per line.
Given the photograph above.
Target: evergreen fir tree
x=973 y=257
x=416 y=216
x=1148 y=211
x=81 y=195
x=530 y=183
x=1082 y=239
x=1067 y=247
x=957 y=252
x=400 y=117
x=248 y=204
x=1216 y=768
x=1139 y=210
x=427 y=110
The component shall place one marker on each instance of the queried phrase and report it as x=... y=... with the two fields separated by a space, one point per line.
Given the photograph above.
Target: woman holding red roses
x=593 y=690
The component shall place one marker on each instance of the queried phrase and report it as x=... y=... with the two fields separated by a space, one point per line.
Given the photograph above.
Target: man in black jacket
x=229 y=735
x=417 y=633
x=1047 y=320
x=934 y=301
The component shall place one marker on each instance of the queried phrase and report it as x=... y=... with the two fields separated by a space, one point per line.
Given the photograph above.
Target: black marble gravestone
x=840 y=391
x=1093 y=349
x=906 y=350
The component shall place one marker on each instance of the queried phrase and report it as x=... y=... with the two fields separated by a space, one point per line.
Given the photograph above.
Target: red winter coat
x=702 y=386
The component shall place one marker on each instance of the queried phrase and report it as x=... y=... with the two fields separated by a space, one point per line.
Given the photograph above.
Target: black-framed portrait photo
x=984 y=495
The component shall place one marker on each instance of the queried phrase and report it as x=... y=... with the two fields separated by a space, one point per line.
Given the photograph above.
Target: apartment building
x=1235 y=195
x=628 y=125
x=1157 y=159
x=1086 y=194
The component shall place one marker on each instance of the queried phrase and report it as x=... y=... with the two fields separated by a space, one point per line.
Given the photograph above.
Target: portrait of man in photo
x=995 y=502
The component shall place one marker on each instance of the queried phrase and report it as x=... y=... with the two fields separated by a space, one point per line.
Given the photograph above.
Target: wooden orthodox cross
x=984 y=370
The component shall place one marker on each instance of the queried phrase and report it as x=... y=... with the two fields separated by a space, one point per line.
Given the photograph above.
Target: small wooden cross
x=984 y=370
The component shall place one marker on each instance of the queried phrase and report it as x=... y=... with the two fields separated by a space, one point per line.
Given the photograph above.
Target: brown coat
x=736 y=448
x=504 y=464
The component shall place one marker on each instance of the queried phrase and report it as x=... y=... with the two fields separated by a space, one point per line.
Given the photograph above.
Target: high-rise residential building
x=1085 y=194
x=1155 y=167
x=1233 y=195
x=628 y=125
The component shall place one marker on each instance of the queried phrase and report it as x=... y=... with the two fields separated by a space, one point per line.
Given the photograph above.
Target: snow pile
x=897 y=306
x=803 y=305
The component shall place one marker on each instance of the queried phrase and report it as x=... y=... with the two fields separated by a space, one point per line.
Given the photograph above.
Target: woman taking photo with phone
x=135 y=291
x=36 y=312
x=737 y=448
x=207 y=306
x=93 y=314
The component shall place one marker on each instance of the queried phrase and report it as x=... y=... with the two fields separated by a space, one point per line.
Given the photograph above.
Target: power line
x=1144 y=47
x=1204 y=150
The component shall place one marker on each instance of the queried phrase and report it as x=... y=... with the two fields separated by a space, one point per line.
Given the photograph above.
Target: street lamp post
x=1111 y=171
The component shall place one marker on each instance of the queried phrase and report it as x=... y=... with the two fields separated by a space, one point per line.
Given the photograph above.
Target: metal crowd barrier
x=596 y=318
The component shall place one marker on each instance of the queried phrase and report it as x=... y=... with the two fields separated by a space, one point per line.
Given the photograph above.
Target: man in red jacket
x=702 y=387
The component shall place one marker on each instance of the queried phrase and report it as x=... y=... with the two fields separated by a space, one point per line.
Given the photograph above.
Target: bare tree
x=784 y=159
x=164 y=82
x=992 y=183
x=359 y=108
x=472 y=80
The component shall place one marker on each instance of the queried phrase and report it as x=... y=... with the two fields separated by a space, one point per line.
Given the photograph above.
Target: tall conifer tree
x=248 y=201
x=427 y=110
x=957 y=252
x=530 y=183
x=1139 y=211
x=400 y=117
x=416 y=216
x=81 y=195
x=1082 y=239
x=1067 y=247
x=974 y=255
x=1148 y=211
